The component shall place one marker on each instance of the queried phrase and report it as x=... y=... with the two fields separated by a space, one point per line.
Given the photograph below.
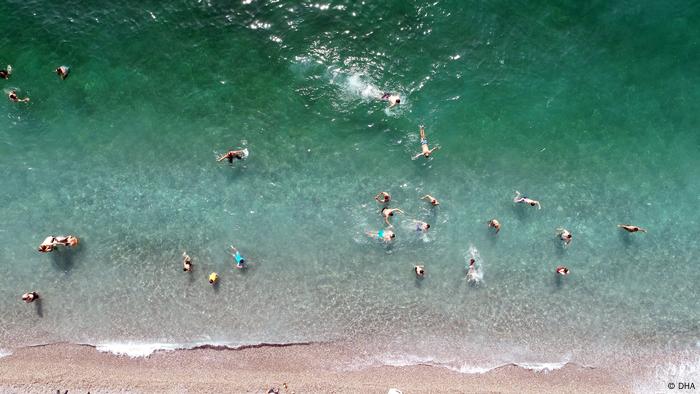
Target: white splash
x=135 y=349
x=474 y=275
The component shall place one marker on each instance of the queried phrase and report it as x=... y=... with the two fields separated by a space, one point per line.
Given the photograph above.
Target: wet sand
x=313 y=368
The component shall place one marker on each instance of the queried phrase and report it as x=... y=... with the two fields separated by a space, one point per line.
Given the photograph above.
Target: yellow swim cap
x=213 y=278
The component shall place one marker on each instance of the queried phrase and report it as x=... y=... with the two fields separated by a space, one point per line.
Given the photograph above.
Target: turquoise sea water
x=590 y=108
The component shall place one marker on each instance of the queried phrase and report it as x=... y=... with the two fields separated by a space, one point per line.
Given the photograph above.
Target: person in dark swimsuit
x=386 y=212
x=30 y=297
x=630 y=228
x=419 y=270
x=234 y=154
x=63 y=72
x=13 y=97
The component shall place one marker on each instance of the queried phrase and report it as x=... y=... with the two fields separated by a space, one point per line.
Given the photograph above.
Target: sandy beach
x=304 y=368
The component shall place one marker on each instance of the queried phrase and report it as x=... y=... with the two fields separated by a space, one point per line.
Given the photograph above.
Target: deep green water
x=590 y=107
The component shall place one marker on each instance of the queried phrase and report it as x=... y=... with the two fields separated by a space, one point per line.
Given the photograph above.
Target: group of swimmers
x=214 y=277
x=61 y=71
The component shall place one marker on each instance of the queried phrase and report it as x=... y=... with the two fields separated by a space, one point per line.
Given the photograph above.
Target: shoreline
x=305 y=368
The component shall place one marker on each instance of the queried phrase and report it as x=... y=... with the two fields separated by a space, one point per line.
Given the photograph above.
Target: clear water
x=590 y=108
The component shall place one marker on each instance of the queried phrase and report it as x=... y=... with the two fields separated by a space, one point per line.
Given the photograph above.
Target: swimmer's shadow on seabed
x=64 y=258
x=626 y=238
x=38 y=308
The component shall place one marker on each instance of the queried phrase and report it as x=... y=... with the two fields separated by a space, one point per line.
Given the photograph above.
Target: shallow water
x=592 y=109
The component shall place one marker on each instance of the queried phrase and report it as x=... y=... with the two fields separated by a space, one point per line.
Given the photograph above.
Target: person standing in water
x=425 y=150
x=383 y=197
x=419 y=270
x=385 y=236
x=630 y=228
x=494 y=224
x=240 y=260
x=30 y=297
x=186 y=262
x=386 y=212
x=62 y=72
x=5 y=74
x=525 y=200
x=433 y=201
x=565 y=236
x=239 y=154
x=391 y=98
x=13 y=97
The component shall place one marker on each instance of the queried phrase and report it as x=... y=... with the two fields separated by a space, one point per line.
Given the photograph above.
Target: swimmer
x=48 y=244
x=630 y=228
x=62 y=72
x=213 y=278
x=383 y=197
x=421 y=226
x=66 y=240
x=5 y=74
x=419 y=270
x=13 y=97
x=524 y=200
x=425 y=151
x=392 y=99
x=385 y=236
x=234 y=154
x=433 y=201
x=240 y=260
x=561 y=270
x=30 y=297
x=186 y=262
x=386 y=212
x=471 y=271
x=493 y=223
x=565 y=236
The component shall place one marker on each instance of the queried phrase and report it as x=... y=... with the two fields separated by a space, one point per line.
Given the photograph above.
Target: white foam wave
x=411 y=360
x=136 y=349
x=5 y=353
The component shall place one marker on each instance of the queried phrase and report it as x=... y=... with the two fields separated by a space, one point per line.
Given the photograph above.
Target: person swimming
x=562 y=270
x=5 y=74
x=383 y=197
x=525 y=200
x=386 y=212
x=472 y=275
x=493 y=223
x=565 y=236
x=433 y=201
x=240 y=260
x=186 y=262
x=213 y=278
x=51 y=242
x=419 y=270
x=630 y=228
x=425 y=150
x=385 y=236
x=392 y=99
x=62 y=72
x=30 y=297
x=13 y=97
x=421 y=226
x=240 y=154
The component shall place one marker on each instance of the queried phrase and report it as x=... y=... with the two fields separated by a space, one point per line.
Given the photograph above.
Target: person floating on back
x=386 y=212
x=51 y=242
x=13 y=97
x=385 y=236
x=240 y=260
x=425 y=150
x=392 y=99
x=565 y=236
x=186 y=262
x=419 y=270
x=5 y=74
x=494 y=224
x=525 y=200
x=383 y=197
x=433 y=201
x=62 y=72
x=240 y=154
x=630 y=228
x=30 y=297
x=561 y=270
